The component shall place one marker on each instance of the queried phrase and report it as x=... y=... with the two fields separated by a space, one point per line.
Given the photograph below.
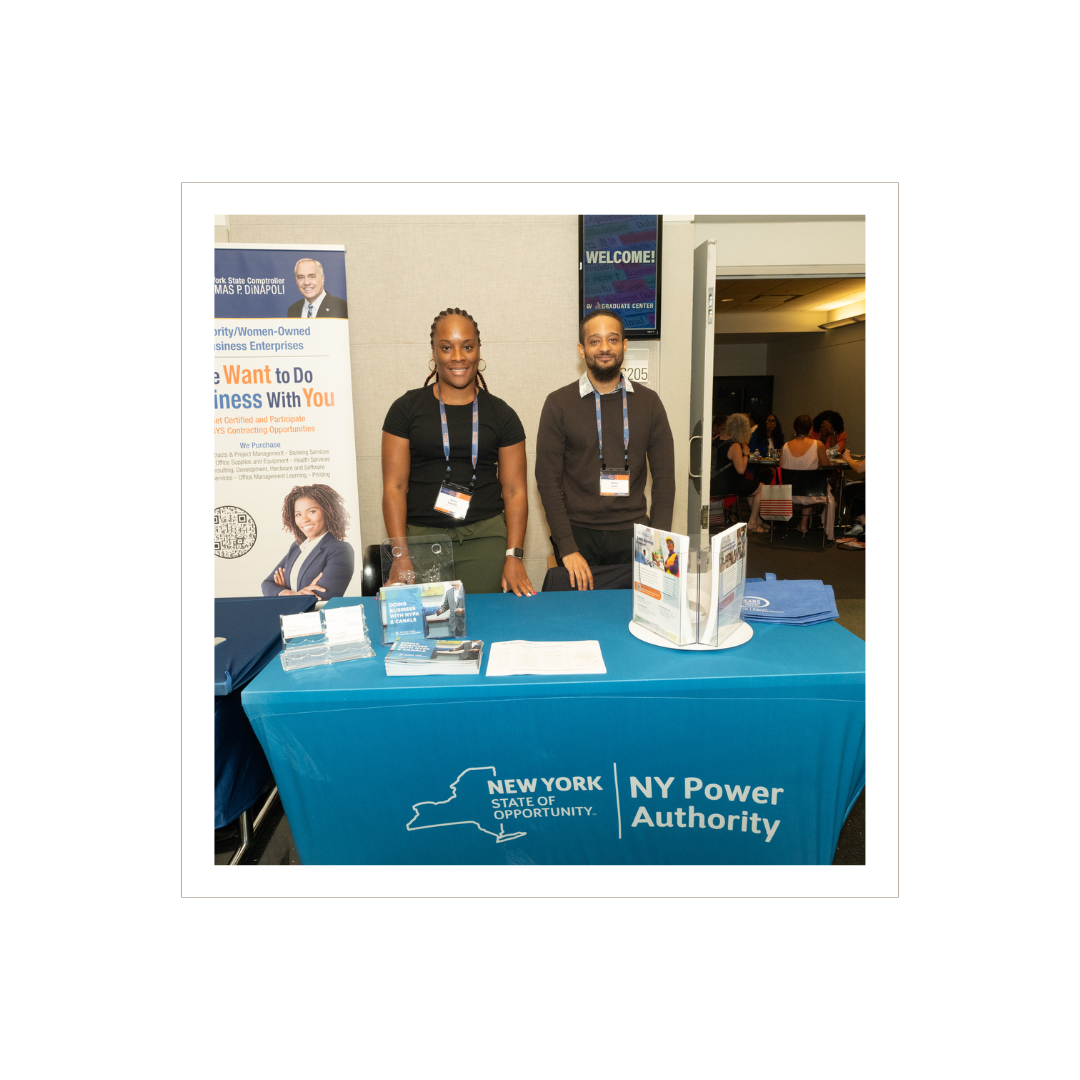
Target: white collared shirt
x=314 y=306
x=306 y=548
x=585 y=388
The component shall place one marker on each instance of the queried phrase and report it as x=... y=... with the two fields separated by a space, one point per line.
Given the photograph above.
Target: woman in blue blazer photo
x=319 y=562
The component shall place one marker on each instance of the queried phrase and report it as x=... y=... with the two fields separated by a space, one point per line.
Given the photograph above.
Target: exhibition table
x=747 y=755
x=247 y=634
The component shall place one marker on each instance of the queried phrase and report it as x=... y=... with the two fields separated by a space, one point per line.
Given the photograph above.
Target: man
x=317 y=303
x=593 y=490
x=454 y=602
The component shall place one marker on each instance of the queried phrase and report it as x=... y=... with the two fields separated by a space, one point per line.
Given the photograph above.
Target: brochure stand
x=416 y=560
x=420 y=598
x=688 y=595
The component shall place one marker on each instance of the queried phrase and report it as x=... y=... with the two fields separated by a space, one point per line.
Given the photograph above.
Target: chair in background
x=371 y=581
x=811 y=482
x=557 y=579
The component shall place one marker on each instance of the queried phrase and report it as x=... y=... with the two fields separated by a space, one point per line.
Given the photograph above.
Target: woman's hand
x=401 y=571
x=515 y=578
x=308 y=590
x=312 y=589
x=279 y=576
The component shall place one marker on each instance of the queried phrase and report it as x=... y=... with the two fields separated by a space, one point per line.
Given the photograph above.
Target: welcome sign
x=619 y=268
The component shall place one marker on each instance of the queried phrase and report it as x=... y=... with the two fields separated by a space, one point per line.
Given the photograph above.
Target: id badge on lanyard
x=454 y=499
x=614 y=482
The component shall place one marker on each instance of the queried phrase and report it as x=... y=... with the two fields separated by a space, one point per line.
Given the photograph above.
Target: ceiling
x=755 y=295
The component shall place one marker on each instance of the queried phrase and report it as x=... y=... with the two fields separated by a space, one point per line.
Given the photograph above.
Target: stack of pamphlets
x=790 y=603
x=450 y=656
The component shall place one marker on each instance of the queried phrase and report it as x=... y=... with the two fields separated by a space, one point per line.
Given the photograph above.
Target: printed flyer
x=415 y=612
x=660 y=588
x=286 y=513
x=728 y=573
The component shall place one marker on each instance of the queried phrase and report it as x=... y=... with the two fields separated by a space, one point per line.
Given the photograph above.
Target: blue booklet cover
x=435 y=609
x=404 y=611
x=411 y=650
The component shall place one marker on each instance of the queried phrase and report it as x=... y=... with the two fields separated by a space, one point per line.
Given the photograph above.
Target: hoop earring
x=482 y=366
x=431 y=365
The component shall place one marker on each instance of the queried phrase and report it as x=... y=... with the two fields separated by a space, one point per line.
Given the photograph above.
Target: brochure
x=727 y=574
x=451 y=656
x=421 y=612
x=686 y=596
x=661 y=601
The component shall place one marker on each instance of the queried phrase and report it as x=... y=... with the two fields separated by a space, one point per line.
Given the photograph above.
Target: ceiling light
x=831 y=305
x=841 y=322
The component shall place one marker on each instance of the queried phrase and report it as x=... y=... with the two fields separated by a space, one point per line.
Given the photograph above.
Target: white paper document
x=546 y=658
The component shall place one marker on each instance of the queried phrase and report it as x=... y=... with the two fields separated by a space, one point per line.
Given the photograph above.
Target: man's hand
x=578 y=568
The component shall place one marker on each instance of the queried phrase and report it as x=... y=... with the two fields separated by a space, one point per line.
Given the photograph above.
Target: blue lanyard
x=625 y=427
x=475 y=433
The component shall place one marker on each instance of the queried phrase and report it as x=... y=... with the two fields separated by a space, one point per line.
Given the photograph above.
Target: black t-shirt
x=415 y=416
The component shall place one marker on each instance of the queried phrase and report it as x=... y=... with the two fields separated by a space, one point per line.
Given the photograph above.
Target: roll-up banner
x=284 y=449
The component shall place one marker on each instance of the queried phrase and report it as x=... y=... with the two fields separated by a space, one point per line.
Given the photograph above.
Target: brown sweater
x=568 y=462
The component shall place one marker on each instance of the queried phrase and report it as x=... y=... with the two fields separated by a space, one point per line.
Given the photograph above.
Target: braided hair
x=330 y=503
x=435 y=322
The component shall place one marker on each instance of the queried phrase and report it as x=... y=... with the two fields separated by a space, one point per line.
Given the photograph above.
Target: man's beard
x=604 y=374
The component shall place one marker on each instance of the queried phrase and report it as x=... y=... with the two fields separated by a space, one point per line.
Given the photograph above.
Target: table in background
x=457 y=769
x=252 y=633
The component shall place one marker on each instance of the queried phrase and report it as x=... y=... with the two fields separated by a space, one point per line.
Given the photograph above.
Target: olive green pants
x=479 y=552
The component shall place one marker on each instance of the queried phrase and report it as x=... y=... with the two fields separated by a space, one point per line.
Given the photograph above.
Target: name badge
x=453 y=500
x=614 y=483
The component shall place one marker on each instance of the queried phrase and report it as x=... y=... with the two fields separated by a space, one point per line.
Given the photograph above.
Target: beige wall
x=516 y=275
x=827 y=370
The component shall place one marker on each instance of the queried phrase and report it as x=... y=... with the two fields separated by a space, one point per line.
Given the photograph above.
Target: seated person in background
x=856 y=494
x=732 y=455
x=769 y=435
x=828 y=426
x=801 y=453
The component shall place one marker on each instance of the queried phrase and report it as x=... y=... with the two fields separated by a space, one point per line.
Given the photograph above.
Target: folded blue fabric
x=792 y=603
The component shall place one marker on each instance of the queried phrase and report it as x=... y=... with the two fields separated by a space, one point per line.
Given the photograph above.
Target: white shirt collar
x=585 y=388
x=314 y=306
x=310 y=542
x=306 y=548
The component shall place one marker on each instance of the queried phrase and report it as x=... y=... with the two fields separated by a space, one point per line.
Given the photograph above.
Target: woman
x=801 y=453
x=829 y=428
x=730 y=476
x=319 y=562
x=433 y=483
x=769 y=436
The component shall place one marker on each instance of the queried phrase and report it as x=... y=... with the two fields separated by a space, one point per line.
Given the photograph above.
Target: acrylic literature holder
x=419 y=580
x=700 y=608
x=324 y=637
x=417 y=560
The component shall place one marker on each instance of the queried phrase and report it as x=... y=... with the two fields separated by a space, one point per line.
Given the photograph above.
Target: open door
x=701 y=383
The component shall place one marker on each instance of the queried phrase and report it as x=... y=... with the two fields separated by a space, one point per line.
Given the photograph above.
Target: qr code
x=234 y=532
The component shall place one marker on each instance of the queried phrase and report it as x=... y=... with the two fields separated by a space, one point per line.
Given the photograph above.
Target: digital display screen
x=619 y=268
